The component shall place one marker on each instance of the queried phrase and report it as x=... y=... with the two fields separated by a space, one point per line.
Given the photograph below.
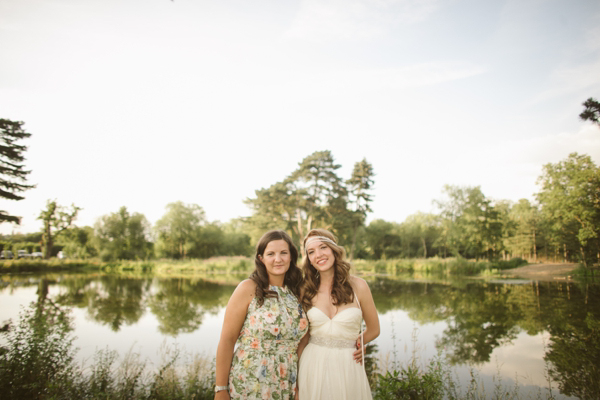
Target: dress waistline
x=331 y=342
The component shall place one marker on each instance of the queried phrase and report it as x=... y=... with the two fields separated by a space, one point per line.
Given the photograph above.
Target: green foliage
x=77 y=242
x=121 y=236
x=570 y=200
x=437 y=266
x=383 y=239
x=471 y=227
x=410 y=383
x=591 y=111
x=37 y=362
x=314 y=196
x=180 y=231
x=56 y=219
x=12 y=173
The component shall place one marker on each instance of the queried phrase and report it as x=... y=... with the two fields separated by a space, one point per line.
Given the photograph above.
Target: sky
x=141 y=103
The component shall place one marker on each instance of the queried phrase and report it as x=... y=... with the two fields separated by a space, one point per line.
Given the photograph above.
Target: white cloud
x=326 y=20
x=569 y=79
x=388 y=79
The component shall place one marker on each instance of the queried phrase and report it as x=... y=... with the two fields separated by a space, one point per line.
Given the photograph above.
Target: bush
x=38 y=361
x=411 y=383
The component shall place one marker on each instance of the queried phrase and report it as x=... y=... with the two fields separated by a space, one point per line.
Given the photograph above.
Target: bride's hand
x=358 y=354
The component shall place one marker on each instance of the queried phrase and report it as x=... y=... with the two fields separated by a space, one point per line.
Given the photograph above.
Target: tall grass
x=38 y=363
x=437 y=380
x=435 y=266
x=244 y=265
x=214 y=265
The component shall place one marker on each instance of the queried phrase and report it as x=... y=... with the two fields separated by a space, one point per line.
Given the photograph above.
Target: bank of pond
x=133 y=332
x=240 y=265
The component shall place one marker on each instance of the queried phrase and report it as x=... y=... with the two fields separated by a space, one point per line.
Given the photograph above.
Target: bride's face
x=320 y=256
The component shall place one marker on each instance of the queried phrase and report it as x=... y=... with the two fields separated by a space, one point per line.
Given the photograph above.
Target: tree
x=592 y=111
x=471 y=224
x=179 y=230
x=570 y=200
x=123 y=236
x=313 y=196
x=524 y=218
x=383 y=239
x=419 y=232
x=12 y=173
x=55 y=218
x=78 y=242
x=358 y=187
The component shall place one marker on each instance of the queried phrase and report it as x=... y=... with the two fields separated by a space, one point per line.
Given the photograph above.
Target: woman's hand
x=358 y=354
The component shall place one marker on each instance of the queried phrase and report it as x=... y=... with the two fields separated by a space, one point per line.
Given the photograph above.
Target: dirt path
x=543 y=272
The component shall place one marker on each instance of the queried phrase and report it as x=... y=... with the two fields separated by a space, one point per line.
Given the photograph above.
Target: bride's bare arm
x=369 y=312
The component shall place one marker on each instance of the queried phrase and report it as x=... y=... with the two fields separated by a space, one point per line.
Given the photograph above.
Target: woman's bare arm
x=369 y=312
x=235 y=314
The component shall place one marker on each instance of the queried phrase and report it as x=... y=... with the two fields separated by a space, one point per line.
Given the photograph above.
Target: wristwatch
x=219 y=388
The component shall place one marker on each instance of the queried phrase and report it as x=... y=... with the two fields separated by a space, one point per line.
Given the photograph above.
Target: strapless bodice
x=344 y=325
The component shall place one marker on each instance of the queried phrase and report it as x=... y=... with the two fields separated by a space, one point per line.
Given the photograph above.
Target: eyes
x=272 y=253
x=310 y=252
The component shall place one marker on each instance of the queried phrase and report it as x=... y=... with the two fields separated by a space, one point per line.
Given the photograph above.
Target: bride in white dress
x=331 y=354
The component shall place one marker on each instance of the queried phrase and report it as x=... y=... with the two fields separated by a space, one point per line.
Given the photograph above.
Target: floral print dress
x=265 y=363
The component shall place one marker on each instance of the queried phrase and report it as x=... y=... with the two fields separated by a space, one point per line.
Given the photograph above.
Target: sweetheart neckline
x=331 y=319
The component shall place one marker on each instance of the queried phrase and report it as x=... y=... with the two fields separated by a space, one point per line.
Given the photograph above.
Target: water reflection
x=473 y=319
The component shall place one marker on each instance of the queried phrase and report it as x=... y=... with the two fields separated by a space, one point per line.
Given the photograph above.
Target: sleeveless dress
x=264 y=364
x=327 y=368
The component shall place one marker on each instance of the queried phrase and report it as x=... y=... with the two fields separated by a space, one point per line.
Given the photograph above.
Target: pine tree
x=12 y=173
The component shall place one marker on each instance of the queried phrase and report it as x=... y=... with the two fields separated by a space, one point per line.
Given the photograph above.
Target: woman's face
x=276 y=258
x=320 y=255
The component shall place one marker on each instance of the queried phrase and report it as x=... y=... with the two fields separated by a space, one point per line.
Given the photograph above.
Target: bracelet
x=219 y=388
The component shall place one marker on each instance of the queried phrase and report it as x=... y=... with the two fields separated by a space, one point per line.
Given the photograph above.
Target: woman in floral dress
x=265 y=320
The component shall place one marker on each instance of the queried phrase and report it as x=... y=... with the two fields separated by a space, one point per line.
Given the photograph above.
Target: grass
x=437 y=380
x=244 y=265
x=435 y=266
x=223 y=265
x=38 y=363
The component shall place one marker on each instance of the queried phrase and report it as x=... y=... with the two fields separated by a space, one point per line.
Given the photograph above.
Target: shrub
x=38 y=362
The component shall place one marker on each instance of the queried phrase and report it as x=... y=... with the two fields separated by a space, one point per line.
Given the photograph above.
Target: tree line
x=562 y=224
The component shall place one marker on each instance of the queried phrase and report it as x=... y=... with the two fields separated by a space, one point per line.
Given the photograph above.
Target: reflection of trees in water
x=483 y=316
x=117 y=301
x=481 y=321
x=574 y=346
x=180 y=304
x=76 y=291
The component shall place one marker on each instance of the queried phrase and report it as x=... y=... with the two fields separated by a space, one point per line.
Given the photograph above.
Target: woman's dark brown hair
x=341 y=291
x=293 y=276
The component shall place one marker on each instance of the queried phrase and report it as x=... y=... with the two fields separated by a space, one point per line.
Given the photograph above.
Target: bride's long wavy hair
x=341 y=291
x=293 y=276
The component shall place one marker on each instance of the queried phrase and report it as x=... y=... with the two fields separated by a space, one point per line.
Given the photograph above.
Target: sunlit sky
x=140 y=103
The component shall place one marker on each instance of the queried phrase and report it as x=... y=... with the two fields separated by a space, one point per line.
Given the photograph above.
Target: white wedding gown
x=327 y=369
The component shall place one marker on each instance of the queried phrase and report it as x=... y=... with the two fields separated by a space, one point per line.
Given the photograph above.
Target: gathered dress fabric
x=327 y=368
x=264 y=364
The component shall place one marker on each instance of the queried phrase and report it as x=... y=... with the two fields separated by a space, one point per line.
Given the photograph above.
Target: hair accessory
x=320 y=239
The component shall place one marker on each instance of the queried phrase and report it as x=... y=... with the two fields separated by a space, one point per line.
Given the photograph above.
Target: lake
x=510 y=330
